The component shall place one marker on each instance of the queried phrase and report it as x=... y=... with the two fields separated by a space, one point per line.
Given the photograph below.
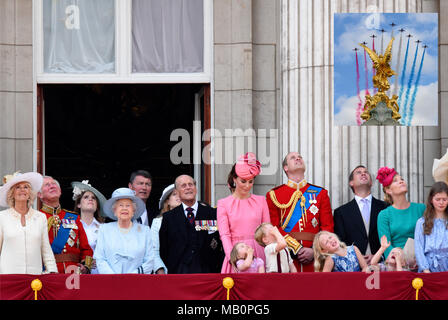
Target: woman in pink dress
x=242 y=212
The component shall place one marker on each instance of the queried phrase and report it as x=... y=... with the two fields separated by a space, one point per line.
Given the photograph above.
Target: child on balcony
x=242 y=259
x=330 y=254
x=431 y=231
x=395 y=261
x=277 y=255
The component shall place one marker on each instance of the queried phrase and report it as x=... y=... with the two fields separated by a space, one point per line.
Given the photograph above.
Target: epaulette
x=203 y=204
x=316 y=186
x=277 y=187
x=70 y=211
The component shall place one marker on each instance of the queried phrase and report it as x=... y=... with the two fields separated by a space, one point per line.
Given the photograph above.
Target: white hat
x=80 y=187
x=33 y=178
x=165 y=194
x=124 y=193
x=440 y=169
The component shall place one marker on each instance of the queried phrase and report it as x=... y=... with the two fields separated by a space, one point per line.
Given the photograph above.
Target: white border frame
x=123 y=46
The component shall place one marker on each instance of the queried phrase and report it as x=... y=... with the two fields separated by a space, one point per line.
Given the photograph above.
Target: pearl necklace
x=125 y=230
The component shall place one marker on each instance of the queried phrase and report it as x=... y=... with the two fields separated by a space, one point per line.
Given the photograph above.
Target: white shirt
x=195 y=208
x=271 y=258
x=144 y=218
x=24 y=248
x=92 y=232
x=360 y=204
x=366 y=223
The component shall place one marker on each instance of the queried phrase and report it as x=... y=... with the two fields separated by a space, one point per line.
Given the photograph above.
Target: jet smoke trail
x=395 y=91
x=402 y=76
x=411 y=106
x=366 y=73
x=373 y=69
x=359 y=109
x=408 y=89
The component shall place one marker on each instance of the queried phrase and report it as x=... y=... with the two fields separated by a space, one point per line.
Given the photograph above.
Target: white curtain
x=79 y=36
x=167 y=36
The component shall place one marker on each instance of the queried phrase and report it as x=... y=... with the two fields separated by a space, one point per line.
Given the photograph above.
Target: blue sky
x=350 y=29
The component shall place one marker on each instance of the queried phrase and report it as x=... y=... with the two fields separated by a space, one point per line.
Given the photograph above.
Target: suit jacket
x=173 y=240
x=349 y=225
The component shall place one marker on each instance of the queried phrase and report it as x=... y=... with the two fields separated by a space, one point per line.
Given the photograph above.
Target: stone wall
x=16 y=86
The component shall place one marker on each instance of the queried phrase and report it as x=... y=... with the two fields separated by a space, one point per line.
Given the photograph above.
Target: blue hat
x=124 y=193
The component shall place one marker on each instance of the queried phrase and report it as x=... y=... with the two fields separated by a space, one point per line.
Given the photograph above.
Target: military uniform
x=67 y=238
x=300 y=211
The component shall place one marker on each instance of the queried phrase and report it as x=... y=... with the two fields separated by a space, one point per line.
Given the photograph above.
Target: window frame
x=123 y=53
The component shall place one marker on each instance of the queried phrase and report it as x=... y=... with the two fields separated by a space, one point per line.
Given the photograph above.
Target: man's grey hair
x=50 y=177
x=176 y=184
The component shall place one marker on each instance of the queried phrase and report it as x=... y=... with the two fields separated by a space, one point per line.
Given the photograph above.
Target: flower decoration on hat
x=440 y=169
x=386 y=175
x=77 y=190
x=247 y=166
x=8 y=177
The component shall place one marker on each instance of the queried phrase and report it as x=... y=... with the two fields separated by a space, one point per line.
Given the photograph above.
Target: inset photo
x=385 y=69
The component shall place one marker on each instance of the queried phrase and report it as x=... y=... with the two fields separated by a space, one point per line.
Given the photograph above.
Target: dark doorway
x=103 y=132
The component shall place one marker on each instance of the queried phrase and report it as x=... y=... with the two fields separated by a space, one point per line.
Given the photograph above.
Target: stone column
x=16 y=86
x=443 y=75
x=331 y=152
x=245 y=84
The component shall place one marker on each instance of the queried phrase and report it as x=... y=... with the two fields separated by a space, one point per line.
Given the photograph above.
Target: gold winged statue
x=381 y=63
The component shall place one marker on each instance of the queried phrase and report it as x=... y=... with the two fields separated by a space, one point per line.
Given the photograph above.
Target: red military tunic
x=283 y=200
x=76 y=249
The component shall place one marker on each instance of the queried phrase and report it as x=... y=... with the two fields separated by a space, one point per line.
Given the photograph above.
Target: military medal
x=314 y=222
x=69 y=224
x=72 y=234
x=212 y=225
x=70 y=242
x=198 y=225
x=313 y=209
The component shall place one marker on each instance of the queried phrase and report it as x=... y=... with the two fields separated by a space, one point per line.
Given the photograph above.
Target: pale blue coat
x=118 y=253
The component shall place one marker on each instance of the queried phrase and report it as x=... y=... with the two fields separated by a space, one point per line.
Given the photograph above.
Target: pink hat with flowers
x=247 y=166
x=386 y=175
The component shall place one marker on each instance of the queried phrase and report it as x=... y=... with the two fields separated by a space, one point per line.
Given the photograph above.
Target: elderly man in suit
x=356 y=221
x=189 y=241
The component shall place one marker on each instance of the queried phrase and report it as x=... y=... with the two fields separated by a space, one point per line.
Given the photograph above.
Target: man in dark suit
x=141 y=182
x=356 y=221
x=189 y=240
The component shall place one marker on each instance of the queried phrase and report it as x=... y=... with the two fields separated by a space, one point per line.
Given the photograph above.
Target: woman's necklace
x=125 y=230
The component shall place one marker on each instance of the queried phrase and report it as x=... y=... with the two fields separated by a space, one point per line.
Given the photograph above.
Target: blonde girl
x=331 y=254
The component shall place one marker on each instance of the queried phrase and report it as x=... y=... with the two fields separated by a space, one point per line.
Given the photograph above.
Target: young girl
x=242 y=259
x=395 y=261
x=431 y=233
x=330 y=254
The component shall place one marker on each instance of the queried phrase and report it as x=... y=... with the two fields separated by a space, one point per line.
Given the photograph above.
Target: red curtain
x=309 y=286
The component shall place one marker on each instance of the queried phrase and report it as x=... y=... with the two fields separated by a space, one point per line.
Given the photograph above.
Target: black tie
x=190 y=215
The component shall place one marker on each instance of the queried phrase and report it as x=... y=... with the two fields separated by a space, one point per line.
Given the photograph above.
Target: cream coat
x=24 y=249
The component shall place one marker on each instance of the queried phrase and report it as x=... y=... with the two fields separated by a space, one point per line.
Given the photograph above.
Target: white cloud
x=425 y=110
x=425 y=18
x=426 y=106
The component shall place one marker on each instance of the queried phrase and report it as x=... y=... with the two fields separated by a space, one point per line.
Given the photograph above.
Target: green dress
x=399 y=224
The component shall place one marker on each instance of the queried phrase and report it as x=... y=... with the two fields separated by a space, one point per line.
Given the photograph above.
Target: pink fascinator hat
x=386 y=175
x=247 y=166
